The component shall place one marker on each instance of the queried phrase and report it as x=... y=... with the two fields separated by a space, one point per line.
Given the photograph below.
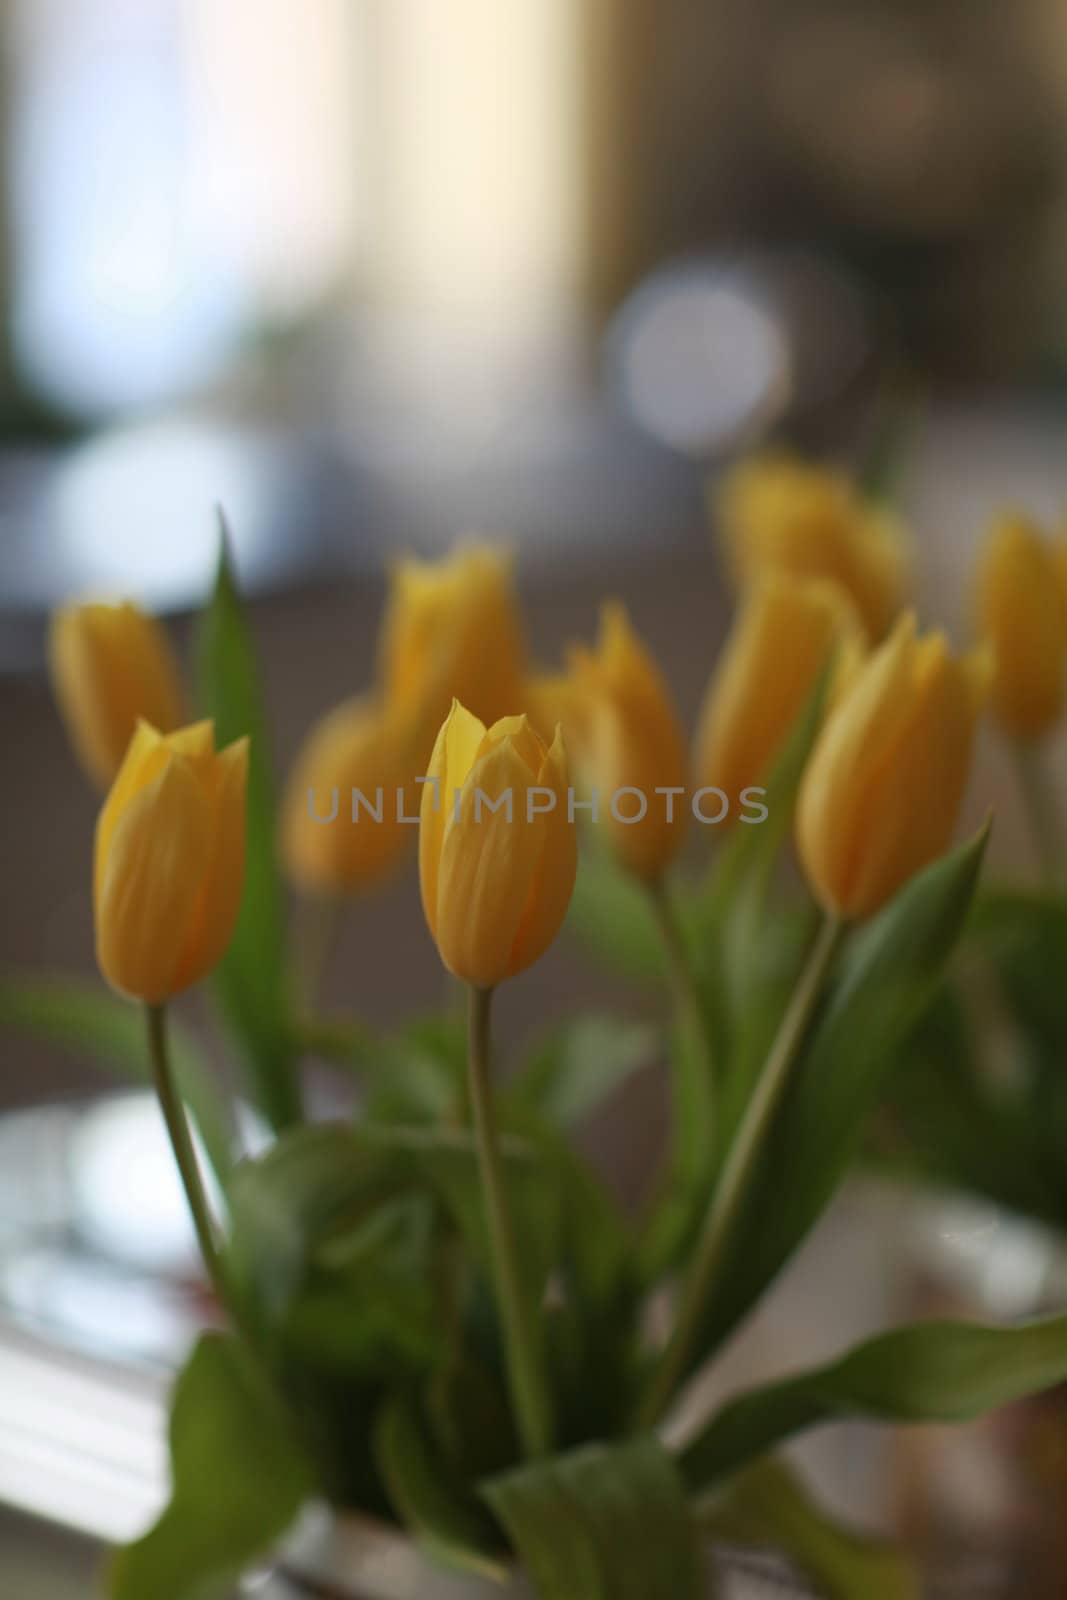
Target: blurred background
x=374 y=273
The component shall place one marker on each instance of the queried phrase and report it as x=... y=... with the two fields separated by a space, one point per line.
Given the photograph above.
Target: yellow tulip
x=111 y=665
x=452 y=631
x=554 y=699
x=341 y=817
x=882 y=791
x=631 y=740
x=169 y=864
x=788 y=515
x=495 y=883
x=1019 y=612
x=787 y=632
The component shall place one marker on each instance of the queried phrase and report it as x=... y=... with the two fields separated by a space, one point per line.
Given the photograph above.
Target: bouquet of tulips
x=436 y=1313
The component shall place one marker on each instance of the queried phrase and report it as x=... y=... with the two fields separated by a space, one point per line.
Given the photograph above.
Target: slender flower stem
x=318 y=928
x=732 y=1187
x=181 y=1143
x=522 y=1346
x=1042 y=811
x=686 y=994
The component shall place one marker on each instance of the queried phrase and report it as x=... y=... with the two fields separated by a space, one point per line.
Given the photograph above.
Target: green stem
x=731 y=1190
x=170 y=1102
x=525 y=1372
x=683 y=981
x=1041 y=809
x=318 y=928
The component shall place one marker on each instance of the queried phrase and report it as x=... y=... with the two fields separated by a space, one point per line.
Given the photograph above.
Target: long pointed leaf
x=605 y=1523
x=238 y=1482
x=928 y=1372
x=887 y=978
x=251 y=981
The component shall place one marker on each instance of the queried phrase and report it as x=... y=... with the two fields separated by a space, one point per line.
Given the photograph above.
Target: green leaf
x=928 y=1372
x=95 y=1024
x=580 y=1063
x=888 y=976
x=744 y=968
x=251 y=980
x=238 y=1482
x=611 y=916
x=1025 y=937
x=603 y=1523
x=417 y=1074
x=767 y=1506
x=947 y=1119
x=421 y=1076
x=309 y=1201
x=591 y=1327
x=441 y=1512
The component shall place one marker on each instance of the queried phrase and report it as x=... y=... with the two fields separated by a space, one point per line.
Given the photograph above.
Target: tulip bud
x=111 y=666
x=554 y=699
x=1019 y=612
x=882 y=791
x=169 y=863
x=452 y=631
x=497 y=848
x=787 y=515
x=341 y=817
x=632 y=740
x=787 y=632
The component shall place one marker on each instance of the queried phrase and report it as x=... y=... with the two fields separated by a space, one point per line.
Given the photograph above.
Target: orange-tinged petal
x=452 y=630
x=553 y=884
x=526 y=742
x=786 y=634
x=1019 y=612
x=781 y=513
x=883 y=787
x=110 y=665
x=361 y=746
x=631 y=738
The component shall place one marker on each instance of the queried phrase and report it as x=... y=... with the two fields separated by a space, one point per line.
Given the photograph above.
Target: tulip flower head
x=342 y=827
x=631 y=740
x=1020 y=613
x=788 y=631
x=111 y=666
x=452 y=631
x=786 y=515
x=497 y=848
x=882 y=791
x=169 y=862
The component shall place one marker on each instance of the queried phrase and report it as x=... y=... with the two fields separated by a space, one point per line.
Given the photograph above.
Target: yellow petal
x=1019 y=612
x=487 y=869
x=553 y=883
x=362 y=745
x=152 y=877
x=215 y=915
x=111 y=665
x=145 y=759
x=526 y=742
x=882 y=791
x=784 y=637
x=453 y=756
